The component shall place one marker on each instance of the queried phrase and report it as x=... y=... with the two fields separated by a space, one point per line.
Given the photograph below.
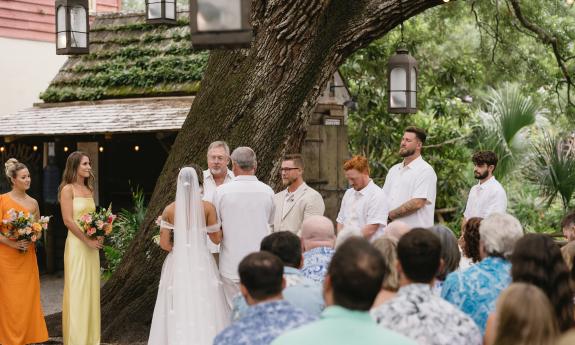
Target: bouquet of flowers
x=22 y=226
x=98 y=223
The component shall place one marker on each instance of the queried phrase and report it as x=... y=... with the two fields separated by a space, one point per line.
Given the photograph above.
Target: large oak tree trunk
x=262 y=98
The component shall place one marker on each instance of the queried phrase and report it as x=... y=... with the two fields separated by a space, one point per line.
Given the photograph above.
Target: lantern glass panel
x=78 y=27
x=61 y=13
x=219 y=15
x=154 y=10
x=170 y=9
x=397 y=88
x=413 y=87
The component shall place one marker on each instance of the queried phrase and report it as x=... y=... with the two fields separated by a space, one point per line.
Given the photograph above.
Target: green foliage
x=553 y=169
x=466 y=50
x=509 y=114
x=125 y=228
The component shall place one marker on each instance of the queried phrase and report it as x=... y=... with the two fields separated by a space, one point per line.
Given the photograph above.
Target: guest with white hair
x=396 y=229
x=476 y=289
x=245 y=208
x=318 y=242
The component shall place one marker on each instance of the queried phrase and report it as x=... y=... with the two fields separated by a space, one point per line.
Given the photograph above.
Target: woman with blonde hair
x=387 y=246
x=81 y=302
x=21 y=318
x=523 y=316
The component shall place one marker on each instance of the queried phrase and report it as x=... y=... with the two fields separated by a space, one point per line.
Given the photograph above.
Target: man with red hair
x=363 y=207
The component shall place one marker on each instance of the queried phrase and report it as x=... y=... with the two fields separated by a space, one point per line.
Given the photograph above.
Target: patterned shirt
x=300 y=291
x=419 y=314
x=263 y=323
x=476 y=289
x=316 y=262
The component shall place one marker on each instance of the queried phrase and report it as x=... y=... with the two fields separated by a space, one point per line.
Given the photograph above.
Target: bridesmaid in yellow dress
x=81 y=305
x=21 y=318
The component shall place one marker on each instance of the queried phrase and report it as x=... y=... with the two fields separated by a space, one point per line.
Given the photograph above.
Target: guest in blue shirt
x=299 y=290
x=476 y=289
x=318 y=241
x=261 y=284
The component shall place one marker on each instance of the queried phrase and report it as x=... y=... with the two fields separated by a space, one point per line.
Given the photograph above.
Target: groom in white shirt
x=245 y=208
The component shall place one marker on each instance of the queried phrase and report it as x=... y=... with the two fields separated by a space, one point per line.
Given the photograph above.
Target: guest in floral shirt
x=416 y=311
x=261 y=283
x=318 y=241
x=354 y=278
x=476 y=289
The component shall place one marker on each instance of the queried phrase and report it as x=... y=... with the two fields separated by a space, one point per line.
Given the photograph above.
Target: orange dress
x=21 y=318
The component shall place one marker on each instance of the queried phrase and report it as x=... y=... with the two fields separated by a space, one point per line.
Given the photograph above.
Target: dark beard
x=482 y=176
x=406 y=153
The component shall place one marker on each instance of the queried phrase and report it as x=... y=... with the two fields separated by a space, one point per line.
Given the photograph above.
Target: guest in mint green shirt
x=352 y=282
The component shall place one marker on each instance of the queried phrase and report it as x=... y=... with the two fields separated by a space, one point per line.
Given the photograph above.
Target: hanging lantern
x=402 y=83
x=72 y=29
x=220 y=24
x=161 y=11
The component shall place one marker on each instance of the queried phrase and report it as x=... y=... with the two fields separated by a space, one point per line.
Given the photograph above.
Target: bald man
x=318 y=242
x=396 y=229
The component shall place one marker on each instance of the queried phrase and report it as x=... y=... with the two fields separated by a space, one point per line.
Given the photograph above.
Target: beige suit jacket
x=289 y=214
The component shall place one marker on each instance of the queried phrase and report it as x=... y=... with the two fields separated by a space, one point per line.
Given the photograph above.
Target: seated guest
x=568 y=253
x=416 y=311
x=469 y=242
x=387 y=246
x=568 y=226
x=261 y=283
x=318 y=241
x=475 y=290
x=299 y=290
x=396 y=229
x=353 y=280
x=524 y=316
x=449 y=254
x=537 y=260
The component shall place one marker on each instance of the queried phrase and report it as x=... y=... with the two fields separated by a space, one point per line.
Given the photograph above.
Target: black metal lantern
x=220 y=23
x=402 y=83
x=161 y=11
x=72 y=30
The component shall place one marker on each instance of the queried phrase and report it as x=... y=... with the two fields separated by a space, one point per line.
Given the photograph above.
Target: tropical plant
x=509 y=113
x=125 y=228
x=552 y=168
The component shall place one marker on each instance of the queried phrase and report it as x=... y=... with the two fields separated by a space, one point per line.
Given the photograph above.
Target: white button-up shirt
x=363 y=207
x=417 y=180
x=486 y=198
x=245 y=208
x=210 y=184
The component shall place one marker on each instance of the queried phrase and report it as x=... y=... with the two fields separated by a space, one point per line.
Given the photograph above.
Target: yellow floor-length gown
x=21 y=318
x=81 y=305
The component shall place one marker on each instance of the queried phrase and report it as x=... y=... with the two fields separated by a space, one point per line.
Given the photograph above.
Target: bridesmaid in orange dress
x=21 y=318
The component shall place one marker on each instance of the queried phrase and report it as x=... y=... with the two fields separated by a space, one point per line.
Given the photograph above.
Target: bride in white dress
x=190 y=307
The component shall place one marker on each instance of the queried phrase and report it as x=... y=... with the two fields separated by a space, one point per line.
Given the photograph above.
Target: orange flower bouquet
x=22 y=226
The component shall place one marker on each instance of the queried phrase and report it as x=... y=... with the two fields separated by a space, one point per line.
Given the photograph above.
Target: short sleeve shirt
x=417 y=180
x=363 y=207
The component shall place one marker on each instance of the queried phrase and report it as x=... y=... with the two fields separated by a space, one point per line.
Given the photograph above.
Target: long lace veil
x=199 y=309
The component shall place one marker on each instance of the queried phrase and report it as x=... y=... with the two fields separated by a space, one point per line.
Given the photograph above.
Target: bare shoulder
x=68 y=189
x=169 y=210
x=208 y=207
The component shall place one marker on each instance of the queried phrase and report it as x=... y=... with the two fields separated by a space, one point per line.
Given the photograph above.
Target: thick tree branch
x=548 y=39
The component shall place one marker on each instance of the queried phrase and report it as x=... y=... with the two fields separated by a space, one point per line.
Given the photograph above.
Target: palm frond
x=553 y=170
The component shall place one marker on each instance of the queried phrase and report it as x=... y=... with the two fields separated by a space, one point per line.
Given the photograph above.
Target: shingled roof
x=130 y=58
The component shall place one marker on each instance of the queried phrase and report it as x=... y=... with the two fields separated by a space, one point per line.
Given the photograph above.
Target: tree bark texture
x=260 y=97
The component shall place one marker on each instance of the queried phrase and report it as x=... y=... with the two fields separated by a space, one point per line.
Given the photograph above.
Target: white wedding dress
x=190 y=307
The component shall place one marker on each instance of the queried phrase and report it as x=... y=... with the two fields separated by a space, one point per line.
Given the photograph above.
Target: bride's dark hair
x=198 y=170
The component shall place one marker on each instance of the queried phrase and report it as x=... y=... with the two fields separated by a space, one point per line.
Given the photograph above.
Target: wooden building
x=124 y=103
